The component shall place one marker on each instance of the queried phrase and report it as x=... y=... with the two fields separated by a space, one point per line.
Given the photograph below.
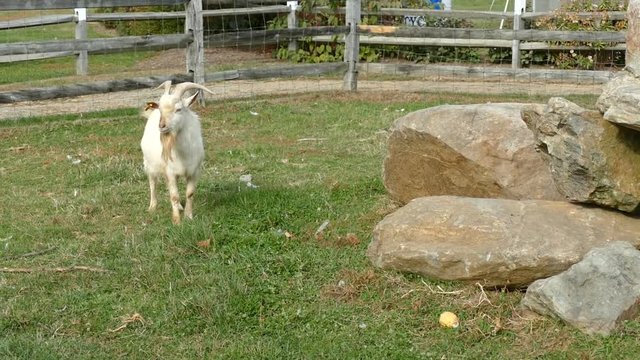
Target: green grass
x=254 y=293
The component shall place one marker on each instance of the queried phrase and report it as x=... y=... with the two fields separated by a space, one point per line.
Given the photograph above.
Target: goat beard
x=168 y=141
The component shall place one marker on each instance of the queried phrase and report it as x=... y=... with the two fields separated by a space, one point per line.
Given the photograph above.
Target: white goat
x=172 y=145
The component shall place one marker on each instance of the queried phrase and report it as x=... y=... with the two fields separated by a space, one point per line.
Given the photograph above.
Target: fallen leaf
x=288 y=235
x=204 y=244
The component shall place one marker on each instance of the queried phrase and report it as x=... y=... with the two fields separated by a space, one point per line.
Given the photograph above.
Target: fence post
x=82 y=59
x=195 y=50
x=352 y=45
x=518 y=9
x=292 y=23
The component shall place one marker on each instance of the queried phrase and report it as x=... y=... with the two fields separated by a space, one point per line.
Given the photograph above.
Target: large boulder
x=620 y=100
x=483 y=150
x=594 y=295
x=592 y=160
x=498 y=242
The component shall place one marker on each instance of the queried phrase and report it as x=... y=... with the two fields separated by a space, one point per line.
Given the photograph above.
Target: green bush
x=564 y=19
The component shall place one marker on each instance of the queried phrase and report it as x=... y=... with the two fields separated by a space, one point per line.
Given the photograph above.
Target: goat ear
x=151 y=106
x=191 y=99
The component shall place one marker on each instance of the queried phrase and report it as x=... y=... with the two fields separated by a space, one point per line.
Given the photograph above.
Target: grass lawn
x=248 y=278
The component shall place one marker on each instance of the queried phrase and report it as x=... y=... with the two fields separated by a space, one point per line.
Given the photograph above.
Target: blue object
x=437 y=4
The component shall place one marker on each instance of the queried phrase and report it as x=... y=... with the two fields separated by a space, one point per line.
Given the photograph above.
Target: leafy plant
x=565 y=19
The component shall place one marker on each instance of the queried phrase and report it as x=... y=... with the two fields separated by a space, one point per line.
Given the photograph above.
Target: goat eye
x=178 y=109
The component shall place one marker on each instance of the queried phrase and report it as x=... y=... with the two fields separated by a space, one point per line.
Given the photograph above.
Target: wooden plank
x=136 y=16
x=409 y=41
x=262 y=37
x=238 y=3
x=522 y=35
x=88 y=88
x=82 y=60
x=195 y=49
x=585 y=36
x=72 y=4
x=181 y=14
x=610 y=15
x=292 y=71
x=153 y=81
x=431 y=70
x=473 y=43
x=548 y=46
x=352 y=45
x=36 y=21
x=149 y=42
x=274 y=9
x=40 y=56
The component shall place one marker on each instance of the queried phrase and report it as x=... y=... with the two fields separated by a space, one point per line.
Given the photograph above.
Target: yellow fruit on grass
x=449 y=320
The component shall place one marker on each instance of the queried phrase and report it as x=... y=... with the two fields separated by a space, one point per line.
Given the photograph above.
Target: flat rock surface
x=497 y=242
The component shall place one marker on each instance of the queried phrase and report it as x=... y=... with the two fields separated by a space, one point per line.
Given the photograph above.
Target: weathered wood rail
x=193 y=40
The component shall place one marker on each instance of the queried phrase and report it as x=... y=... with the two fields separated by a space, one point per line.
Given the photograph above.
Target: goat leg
x=153 y=200
x=174 y=195
x=191 y=189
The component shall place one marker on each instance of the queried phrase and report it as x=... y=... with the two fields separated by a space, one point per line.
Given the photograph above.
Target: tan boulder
x=497 y=242
x=483 y=150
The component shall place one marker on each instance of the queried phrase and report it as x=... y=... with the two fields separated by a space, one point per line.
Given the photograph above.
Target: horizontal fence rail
x=246 y=38
x=149 y=42
x=72 y=4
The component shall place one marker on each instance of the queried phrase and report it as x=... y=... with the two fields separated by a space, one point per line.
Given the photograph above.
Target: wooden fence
x=352 y=34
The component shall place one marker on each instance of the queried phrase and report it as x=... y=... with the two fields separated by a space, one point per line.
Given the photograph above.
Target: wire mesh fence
x=89 y=47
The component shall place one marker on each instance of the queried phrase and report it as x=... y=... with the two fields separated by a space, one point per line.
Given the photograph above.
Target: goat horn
x=166 y=85
x=181 y=88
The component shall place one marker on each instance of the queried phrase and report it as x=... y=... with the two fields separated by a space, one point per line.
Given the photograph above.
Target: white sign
x=419 y=20
x=415 y=21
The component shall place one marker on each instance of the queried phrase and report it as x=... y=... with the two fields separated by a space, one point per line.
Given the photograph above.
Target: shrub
x=564 y=19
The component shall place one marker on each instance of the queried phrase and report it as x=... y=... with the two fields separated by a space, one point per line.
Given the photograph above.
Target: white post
x=518 y=8
x=352 y=45
x=292 y=23
x=447 y=5
x=82 y=60
x=195 y=50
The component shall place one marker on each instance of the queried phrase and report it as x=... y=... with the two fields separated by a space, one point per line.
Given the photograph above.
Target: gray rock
x=620 y=100
x=592 y=161
x=483 y=150
x=594 y=295
x=498 y=242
